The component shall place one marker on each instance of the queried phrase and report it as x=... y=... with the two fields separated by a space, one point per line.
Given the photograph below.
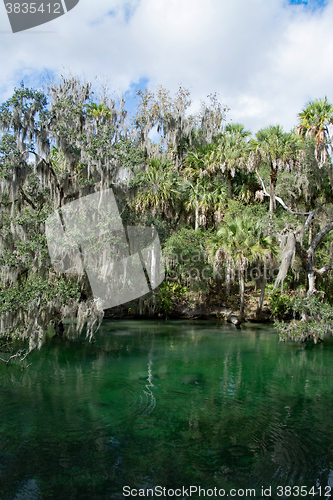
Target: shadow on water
x=172 y=403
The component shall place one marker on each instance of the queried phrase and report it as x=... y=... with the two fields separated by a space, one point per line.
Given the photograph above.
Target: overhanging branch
x=282 y=202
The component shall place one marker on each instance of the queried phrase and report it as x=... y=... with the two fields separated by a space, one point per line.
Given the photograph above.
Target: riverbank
x=198 y=306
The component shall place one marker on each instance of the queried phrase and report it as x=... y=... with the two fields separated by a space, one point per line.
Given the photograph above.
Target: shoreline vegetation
x=245 y=220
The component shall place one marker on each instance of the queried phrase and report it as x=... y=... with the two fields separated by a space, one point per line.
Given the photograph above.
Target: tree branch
x=48 y=165
x=282 y=202
x=6 y=204
x=324 y=269
x=318 y=239
x=25 y=197
x=21 y=354
x=309 y=219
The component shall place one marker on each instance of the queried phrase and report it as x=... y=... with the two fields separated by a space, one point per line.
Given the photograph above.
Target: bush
x=169 y=294
x=316 y=320
x=186 y=260
x=280 y=304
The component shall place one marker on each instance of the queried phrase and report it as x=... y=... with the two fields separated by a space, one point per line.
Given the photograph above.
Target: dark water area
x=168 y=404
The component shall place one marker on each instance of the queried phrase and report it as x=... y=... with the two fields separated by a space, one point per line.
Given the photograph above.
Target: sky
x=266 y=59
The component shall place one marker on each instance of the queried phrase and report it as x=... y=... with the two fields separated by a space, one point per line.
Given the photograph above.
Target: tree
x=50 y=154
x=293 y=241
x=316 y=320
x=158 y=188
x=315 y=119
x=204 y=192
x=179 y=131
x=268 y=251
x=230 y=151
x=186 y=259
x=276 y=150
x=100 y=112
x=238 y=243
x=308 y=257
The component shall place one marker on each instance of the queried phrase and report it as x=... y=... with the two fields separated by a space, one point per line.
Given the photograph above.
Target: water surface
x=174 y=404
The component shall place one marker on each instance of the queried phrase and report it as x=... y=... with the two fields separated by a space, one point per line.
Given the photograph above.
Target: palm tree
x=204 y=196
x=238 y=243
x=315 y=119
x=196 y=177
x=159 y=188
x=204 y=192
x=231 y=152
x=100 y=112
x=276 y=149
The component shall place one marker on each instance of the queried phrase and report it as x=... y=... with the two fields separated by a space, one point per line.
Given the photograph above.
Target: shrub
x=280 y=303
x=169 y=294
x=316 y=320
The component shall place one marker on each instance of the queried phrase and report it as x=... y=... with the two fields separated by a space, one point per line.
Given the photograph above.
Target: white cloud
x=263 y=58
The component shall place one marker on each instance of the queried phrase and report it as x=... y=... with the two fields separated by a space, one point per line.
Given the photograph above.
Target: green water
x=167 y=404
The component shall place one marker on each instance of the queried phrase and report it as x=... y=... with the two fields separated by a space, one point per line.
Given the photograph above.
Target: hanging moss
x=52 y=151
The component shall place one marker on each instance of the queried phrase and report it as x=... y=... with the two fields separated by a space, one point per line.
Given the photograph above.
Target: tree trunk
x=311 y=273
x=311 y=282
x=229 y=180
x=196 y=223
x=330 y=154
x=310 y=234
x=227 y=279
x=271 y=197
x=272 y=184
x=308 y=258
x=262 y=293
x=309 y=264
x=242 y=293
x=153 y=279
x=258 y=279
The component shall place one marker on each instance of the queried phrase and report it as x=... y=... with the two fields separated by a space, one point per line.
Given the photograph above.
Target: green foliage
x=280 y=304
x=170 y=294
x=23 y=111
x=316 y=320
x=325 y=285
x=204 y=192
x=245 y=186
x=315 y=116
x=9 y=154
x=231 y=150
x=148 y=219
x=28 y=292
x=275 y=146
x=186 y=259
x=255 y=211
x=158 y=188
x=242 y=240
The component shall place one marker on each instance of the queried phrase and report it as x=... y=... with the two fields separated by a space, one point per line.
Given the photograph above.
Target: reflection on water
x=170 y=404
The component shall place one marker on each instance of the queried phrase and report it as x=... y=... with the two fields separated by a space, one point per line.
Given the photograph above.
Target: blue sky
x=312 y=4
x=265 y=59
